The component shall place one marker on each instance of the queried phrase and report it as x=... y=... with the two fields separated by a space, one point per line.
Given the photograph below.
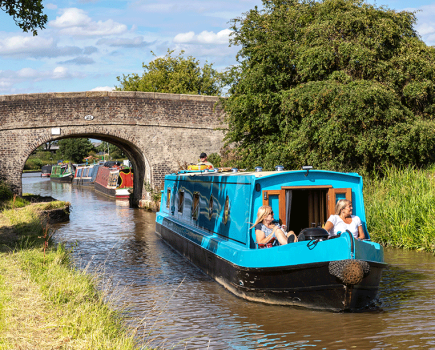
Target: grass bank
x=45 y=302
x=400 y=208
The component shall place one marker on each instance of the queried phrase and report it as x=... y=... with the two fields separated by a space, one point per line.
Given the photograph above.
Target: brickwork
x=158 y=131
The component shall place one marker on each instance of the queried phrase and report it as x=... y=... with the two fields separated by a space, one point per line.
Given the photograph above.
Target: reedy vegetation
x=400 y=208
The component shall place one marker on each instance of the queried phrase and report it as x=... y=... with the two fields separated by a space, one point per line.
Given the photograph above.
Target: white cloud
x=204 y=37
x=21 y=44
x=71 y=17
x=33 y=75
x=221 y=37
x=60 y=73
x=103 y=88
x=50 y=6
x=124 y=42
x=426 y=23
x=184 y=37
x=426 y=28
x=76 y=22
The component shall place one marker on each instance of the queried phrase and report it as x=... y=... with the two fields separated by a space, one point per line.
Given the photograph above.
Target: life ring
x=199 y=167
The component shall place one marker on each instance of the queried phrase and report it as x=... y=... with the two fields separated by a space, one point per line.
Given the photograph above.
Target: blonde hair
x=262 y=213
x=341 y=204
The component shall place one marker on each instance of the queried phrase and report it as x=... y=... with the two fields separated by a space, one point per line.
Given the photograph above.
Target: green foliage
x=5 y=192
x=215 y=159
x=75 y=150
x=176 y=75
x=8 y=200
x=226 y=158
x=336 y=84
x=27 y=14
x=108 y=148
x=155 y=193
x=34 y=164
x=400 y=208
x=38 y=159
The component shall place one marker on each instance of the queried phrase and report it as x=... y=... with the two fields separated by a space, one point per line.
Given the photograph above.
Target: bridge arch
x=158 y=132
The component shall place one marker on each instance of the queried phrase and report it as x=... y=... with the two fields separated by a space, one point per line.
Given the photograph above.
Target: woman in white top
x=344 y=220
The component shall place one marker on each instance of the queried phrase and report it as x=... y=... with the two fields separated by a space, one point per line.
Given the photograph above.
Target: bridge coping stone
x=122 y=94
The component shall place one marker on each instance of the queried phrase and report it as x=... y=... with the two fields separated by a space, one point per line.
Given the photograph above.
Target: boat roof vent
x=258 y=168
x=279 y=168
x=307 y=168
x=234 y=170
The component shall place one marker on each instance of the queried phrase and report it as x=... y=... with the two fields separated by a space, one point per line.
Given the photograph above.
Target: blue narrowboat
x=207 y=216
x=85 y=174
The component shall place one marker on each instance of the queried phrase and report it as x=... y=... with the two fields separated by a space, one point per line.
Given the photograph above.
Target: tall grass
x=400 y=208
x=86 y=316
x=59 y=305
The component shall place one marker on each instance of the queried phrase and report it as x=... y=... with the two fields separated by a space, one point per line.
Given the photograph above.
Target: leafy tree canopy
x=336 y=84
x=75 y=150
x=177 y=75
x=115 y=152
x=27 y=14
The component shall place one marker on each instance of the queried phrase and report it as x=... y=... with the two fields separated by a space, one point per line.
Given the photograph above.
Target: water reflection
x=183 y=308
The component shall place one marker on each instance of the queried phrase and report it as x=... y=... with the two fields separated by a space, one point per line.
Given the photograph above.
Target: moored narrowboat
x=207 y=217
x=125 y=183
x=84 y=174
x=114 y=180
x=46 y=170
x=63 y=172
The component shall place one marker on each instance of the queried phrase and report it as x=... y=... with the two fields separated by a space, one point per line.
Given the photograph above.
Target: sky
x=88 y=43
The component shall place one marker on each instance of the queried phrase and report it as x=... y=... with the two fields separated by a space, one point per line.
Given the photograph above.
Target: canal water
x=175 y=306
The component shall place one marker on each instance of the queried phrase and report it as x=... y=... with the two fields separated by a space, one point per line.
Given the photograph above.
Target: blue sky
x=88 y=43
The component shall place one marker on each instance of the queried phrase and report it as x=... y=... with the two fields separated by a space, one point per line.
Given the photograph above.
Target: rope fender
x=349 y=271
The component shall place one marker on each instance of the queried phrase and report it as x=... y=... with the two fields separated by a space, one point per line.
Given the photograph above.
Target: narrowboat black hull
x=111 y=192
x=306 y=285
x=83 y=182
x=65 y=179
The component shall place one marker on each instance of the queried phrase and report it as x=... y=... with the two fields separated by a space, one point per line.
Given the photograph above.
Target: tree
x=336 y=84
x=75 y=150
x=27 y=14
x=177 y=75
x=115 y=152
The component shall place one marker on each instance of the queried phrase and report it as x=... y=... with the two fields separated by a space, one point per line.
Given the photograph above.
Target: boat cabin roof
x=252 y=174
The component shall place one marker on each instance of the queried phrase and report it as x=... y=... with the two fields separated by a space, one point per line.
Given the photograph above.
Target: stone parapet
x=159 y=132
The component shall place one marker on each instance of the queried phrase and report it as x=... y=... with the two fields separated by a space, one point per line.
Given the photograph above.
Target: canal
x=175 y=306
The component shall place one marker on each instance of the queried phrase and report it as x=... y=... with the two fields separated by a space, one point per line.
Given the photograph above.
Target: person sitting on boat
x=344 y=220
x=269 y=234
x=203 y=161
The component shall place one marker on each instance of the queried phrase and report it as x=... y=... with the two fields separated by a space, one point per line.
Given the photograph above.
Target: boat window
x=113 y=179
x=180 y=201
x=168 y=197
x=226 y=210
x=195 y=206
x=210 y=207
x=334 y=195
x=276 y=199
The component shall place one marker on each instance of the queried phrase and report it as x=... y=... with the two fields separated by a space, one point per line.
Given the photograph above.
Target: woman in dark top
x=269 y=234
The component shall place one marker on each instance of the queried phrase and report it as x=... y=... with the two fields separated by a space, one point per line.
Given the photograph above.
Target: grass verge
x=45 y=302
x=400 y=208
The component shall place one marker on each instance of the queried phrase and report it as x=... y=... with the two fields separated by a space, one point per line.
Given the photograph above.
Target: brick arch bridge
x=157 y=131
